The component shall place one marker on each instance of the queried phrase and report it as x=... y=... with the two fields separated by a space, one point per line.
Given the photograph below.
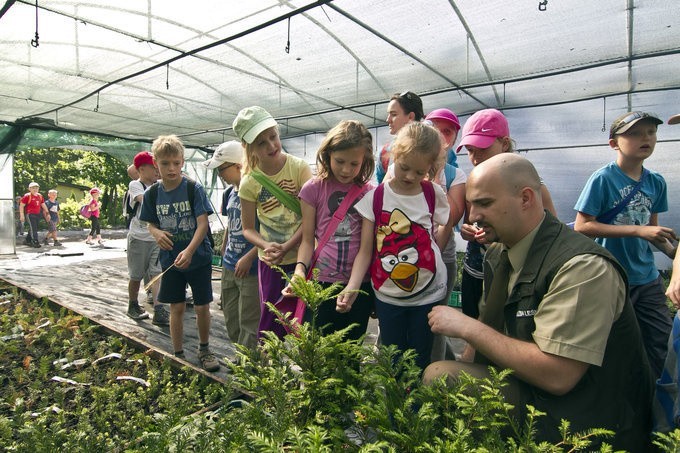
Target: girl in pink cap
x=485 y=134
x=94 y=206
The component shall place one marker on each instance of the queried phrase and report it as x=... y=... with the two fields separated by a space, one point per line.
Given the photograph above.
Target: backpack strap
x=428 y=191
x=610 y=215
x=191 y=189
x=385 y=156
x=225 y=200
x=449 y=175
x=378 y=203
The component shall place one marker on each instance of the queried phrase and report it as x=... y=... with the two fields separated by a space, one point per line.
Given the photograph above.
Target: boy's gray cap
x=230 y=151
x=33 y=184
x=675 y=119
x=628 y=120
x=251 y=121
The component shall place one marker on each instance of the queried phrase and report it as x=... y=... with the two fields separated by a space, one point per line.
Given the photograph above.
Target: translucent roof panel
x=136 y=70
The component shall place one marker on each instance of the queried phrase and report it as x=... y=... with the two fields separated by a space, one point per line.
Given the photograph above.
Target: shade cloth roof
x=561 y=70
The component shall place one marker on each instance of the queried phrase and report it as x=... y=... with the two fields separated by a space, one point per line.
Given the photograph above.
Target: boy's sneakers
x=57 y=244
x=46 y=242
x=161 y=317
x=136 y=312
x=208 y=360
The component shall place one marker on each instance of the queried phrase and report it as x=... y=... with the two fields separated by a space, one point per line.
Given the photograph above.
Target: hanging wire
x=96 y=108
x=35 y=42
x=287 y=42
x=504 y=93
x=167 y=77
x=604 y=114
x=543 y=5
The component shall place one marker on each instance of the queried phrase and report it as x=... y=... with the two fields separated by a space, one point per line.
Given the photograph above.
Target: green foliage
x=57 y=397
x=306 y=393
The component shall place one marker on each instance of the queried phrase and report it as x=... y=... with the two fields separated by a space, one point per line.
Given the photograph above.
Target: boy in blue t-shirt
x=180 y=230
x=239 y=294
x=628 y=235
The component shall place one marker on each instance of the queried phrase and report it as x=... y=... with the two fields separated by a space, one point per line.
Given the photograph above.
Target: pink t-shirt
x=94 y=208
x=337 y=256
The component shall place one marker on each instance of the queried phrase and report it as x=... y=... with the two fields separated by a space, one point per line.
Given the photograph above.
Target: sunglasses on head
x=633 y=116
x=406 y=95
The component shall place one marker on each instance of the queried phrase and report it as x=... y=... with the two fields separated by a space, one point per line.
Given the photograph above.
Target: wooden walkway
x=92 y=281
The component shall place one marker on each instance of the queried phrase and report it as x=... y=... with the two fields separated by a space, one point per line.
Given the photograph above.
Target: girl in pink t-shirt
x=344 y=159
x=94 y=206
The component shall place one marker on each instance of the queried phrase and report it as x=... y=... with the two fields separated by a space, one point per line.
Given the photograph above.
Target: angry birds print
x=404 y=264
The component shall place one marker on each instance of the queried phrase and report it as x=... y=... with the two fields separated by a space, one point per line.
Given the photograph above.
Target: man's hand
x=448 y=321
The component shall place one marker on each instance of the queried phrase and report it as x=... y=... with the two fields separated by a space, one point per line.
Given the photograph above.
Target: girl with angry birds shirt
x=397 y=242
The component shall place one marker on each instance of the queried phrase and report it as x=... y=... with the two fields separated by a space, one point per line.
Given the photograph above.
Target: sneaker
x=46 y=242
x=36 y=245
x=149 y=298
x=208 y=360
x=57 y=244
x=136 y=312
x=161 y=317
x=88 y=242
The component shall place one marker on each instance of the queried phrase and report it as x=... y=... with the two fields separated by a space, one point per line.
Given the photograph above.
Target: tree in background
x=50 y=166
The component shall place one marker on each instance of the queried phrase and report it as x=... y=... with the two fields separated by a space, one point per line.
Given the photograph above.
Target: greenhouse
x=111 y=76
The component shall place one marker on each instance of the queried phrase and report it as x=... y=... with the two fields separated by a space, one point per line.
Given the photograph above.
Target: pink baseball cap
x=444 y=115
x=483 y=128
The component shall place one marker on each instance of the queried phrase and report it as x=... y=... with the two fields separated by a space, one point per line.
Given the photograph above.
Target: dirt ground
x=92 y=281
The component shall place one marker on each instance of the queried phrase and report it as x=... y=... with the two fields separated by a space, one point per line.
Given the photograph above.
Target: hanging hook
x=287 y=42
x=96 y=108
x=543 y=5
x=167 y=77
x=604 y=114
x=35 y=42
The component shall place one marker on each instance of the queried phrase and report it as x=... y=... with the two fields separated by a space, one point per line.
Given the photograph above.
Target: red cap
x=95 y=190
x=143 y=158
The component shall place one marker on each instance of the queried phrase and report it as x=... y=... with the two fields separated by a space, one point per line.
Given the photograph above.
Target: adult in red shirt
x=33 y=203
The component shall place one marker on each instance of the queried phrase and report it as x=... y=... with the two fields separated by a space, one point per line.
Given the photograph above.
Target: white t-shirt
x=409 y=270
x=449 y=252
x=138 y=228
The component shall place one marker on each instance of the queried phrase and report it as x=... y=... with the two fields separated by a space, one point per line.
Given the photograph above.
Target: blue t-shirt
x=237 y=245
x=174 y=214
x=605 y=188
x=53 y=208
